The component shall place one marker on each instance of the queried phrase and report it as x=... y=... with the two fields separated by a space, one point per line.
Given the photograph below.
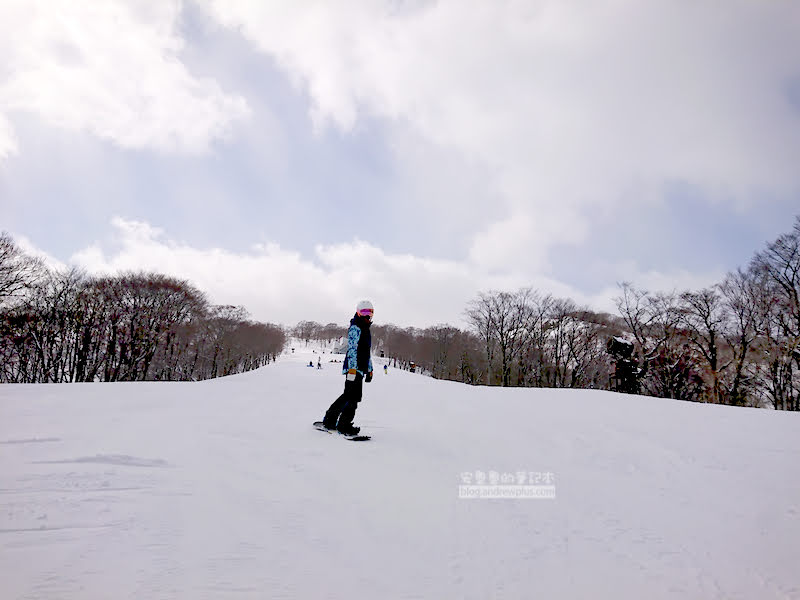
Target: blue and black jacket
x=359 y=342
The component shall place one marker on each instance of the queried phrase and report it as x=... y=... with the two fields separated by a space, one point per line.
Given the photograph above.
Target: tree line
x=67 y=326
x=736 y=342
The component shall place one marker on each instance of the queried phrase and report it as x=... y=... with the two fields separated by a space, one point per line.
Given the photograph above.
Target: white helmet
x=365 y=309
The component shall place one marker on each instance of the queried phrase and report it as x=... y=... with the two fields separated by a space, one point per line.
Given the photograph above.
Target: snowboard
x=353 y=438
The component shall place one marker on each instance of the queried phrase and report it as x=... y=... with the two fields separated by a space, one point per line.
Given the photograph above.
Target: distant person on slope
x=357 y=366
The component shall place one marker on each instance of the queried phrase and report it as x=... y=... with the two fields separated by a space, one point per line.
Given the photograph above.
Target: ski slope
x=222 y=489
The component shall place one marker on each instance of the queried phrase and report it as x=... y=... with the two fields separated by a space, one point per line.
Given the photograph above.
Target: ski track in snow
x=113 y=459
x=31 y=441
x=223 y=489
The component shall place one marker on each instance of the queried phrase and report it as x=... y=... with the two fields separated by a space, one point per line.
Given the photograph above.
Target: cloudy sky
x=294 y=157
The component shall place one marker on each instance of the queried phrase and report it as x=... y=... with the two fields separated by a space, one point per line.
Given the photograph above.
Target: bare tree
x=442 y=351
x=512 y=318
x=307 y=330
x=332 y=332
x=559 y=331
x=18 y=271
x=741 y=292
x=480 y=314
x=779 y=266
x=666 y=367
x=532 y=360
x=66 y=326
x=574 y=347
x=703 y=315
x=504 y=322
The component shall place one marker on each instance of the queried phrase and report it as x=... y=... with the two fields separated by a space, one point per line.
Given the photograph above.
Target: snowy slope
x=222 y=489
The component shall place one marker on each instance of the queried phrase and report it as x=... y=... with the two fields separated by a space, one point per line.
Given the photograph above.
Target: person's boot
x=348 y=429
x=330 y=425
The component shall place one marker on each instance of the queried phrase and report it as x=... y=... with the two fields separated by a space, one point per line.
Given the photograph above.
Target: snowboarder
x=386 y=369
x=357 y=366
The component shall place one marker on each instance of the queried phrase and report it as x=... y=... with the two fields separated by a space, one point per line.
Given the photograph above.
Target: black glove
x=368 y=378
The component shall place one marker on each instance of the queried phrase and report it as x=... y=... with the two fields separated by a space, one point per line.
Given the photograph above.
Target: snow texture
x=223 y=489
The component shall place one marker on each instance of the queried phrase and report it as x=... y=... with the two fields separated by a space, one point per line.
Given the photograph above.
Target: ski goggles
x=366 y=312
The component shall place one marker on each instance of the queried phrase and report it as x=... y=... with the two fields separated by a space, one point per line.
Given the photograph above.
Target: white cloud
x=280 y=285
x=528 y=115
x=568 y=104
x=8 y=142
x=674 y=280
x=111 y=68
x=29 y=248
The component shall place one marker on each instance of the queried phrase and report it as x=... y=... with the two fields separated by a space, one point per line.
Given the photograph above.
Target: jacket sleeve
x=351 y=358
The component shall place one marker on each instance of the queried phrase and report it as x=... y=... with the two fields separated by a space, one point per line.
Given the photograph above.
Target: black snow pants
x=343 y=409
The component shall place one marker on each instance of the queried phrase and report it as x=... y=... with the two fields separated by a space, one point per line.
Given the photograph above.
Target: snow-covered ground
x=222 y=489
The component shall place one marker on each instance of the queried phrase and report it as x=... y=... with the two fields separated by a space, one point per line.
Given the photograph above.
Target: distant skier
x=319 y=363
x=357 y=366
x=386 y=369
